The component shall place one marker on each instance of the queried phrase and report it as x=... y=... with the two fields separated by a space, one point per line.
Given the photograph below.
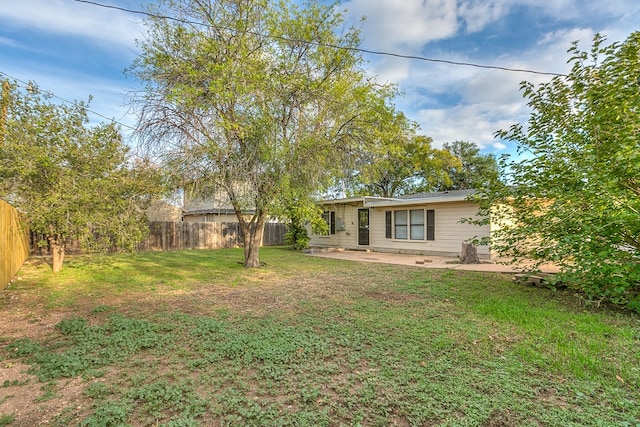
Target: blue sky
x=75 y=50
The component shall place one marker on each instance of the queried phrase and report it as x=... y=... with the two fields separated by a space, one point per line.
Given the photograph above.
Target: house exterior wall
x=347 y=238
x=213 y=199
x=211 y=217
x=449 y=232
x=162 y=211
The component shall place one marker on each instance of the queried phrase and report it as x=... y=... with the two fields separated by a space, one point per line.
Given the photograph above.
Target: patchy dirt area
x=23 y=315
x=28 y=400
x=340 y=330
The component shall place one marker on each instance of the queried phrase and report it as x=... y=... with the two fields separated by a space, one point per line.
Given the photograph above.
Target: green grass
x=6 y=420
x=191 y=338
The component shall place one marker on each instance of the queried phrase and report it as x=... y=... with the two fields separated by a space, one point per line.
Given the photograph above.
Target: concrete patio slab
x=423 y=261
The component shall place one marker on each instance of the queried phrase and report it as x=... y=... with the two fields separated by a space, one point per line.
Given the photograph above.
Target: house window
x=417 y=224
x=411 y=224
x=388 y=227
x=330 y=219
x=400 y=225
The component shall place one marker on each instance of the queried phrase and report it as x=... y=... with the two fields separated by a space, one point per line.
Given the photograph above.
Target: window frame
x=329 y=218
x=426 y=222
x=418 y=224
x=402 y=226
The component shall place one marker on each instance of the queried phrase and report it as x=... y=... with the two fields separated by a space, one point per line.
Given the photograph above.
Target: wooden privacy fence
x=166 y=236
x=14 y=242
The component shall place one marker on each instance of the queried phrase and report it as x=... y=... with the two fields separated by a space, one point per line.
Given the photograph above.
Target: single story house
x=424 y=224
x=211 y=214
x=214 y=207
x=164 y=212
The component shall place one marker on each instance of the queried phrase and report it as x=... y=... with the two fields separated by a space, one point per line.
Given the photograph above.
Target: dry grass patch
x=191 y=338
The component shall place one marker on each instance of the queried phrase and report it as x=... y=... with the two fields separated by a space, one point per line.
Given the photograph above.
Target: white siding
x=348 y=238
x=449 y=232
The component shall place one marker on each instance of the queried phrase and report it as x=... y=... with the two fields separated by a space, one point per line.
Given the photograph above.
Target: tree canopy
x=266 y=100
x=476 y=170
x=399 y=161
x=72 y=180
x=574 y=197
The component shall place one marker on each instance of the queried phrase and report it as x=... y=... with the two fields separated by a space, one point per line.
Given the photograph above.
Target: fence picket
x=166 y=236
x=14 y=242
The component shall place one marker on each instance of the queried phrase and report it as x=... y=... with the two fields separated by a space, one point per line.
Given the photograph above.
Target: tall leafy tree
x=386 y=168
x=476 y=169
x=574 y=198
x=433 y=165
x=72 y=180
x=398 y=160
x=266 y=100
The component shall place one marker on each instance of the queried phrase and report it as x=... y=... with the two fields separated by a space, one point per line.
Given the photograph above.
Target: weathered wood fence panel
x=274 y=234
x=14 y=242
x=166 y=236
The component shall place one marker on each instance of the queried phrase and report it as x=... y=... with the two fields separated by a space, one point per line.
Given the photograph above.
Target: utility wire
x=354 y=49
x=53 y=95
x=371 y=52
x=28 y=85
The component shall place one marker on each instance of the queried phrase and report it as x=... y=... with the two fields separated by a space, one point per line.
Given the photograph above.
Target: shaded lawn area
x=192 y=338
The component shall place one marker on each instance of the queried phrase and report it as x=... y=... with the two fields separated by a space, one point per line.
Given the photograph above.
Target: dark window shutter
x=431 y=224
x=387 y=224
x=333 y=223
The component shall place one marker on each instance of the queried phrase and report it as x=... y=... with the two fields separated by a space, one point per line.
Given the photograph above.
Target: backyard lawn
x=192 y=338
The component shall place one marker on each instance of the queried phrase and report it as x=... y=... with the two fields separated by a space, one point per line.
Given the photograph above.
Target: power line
x=53 y=95
x=29 y=87
x=354 y=49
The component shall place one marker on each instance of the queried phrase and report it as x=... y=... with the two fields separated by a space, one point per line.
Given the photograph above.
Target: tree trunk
x=57 y=251
x=469 y=254
x=252 y=233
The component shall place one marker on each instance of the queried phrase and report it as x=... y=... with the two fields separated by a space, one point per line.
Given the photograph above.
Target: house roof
x=213 y=211
x=406 y=200
x=355 y=200
x=439 y=194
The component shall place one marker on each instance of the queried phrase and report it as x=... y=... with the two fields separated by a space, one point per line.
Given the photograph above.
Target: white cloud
x=470 y=122
x=391 y=70
x=404 y=24
x=477 y=14
x=73 y=18
x=583 y=10
x=4 y=41
x=410 y=24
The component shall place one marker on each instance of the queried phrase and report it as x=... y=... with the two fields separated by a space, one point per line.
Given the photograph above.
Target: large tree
x=475 y=170
x=266 y=100
x=72 y=180
x=386 y=168
x=399 y=160
x=574 y=197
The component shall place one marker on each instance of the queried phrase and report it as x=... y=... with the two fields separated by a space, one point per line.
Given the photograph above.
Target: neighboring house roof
x=163 y=211
x=213 y=211
x=406 y=200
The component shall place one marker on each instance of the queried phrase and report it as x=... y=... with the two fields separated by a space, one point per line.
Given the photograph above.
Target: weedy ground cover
x=193 y=339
